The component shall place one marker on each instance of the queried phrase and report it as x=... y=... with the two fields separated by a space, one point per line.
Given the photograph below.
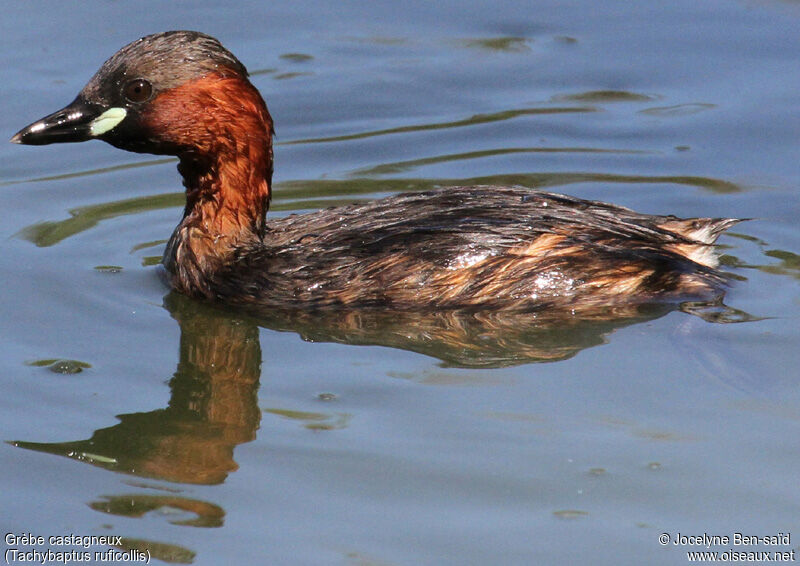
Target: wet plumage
x=494 y=247
x=499 y=247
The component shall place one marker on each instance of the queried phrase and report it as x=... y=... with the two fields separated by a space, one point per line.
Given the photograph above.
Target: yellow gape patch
x=107 y=121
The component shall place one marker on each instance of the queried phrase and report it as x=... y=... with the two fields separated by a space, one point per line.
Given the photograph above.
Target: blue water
x=205 y=437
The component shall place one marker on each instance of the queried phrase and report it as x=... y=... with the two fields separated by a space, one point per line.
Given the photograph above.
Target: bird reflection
x=213 y=405
x=481 y=339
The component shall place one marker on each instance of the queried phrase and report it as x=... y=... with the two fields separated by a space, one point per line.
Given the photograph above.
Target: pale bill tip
x=32 y=129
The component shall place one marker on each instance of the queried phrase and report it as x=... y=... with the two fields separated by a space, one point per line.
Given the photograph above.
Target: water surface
x=198 y=433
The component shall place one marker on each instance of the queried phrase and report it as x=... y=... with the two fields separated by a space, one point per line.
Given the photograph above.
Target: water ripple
x=471 y=121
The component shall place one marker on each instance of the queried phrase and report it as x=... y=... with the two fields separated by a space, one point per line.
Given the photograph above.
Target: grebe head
x=174 y=93
x=181 y=93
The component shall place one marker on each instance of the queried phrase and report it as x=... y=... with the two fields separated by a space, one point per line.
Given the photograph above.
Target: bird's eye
x=137 y=90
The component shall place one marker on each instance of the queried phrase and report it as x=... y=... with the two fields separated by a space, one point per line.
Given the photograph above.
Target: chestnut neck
x=226 y=165
x=227 y=196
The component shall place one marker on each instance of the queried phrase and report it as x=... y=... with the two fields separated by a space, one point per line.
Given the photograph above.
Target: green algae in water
x=151 y=260
x=145 y=245
x=297 y=57
x=502 y=44
x=314 y=421
x=265 y=71
x=62 y=366
x=170 y=553
x=177 y=510
x=599 y=96
x=570 y=514
x=68 y=367
x=679 y=109
x=108 y=268
x=284 y=76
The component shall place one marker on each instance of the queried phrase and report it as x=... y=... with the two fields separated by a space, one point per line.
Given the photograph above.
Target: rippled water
x=196 y=433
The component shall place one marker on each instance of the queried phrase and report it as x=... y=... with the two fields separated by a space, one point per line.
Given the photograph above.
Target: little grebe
x=182 y=93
